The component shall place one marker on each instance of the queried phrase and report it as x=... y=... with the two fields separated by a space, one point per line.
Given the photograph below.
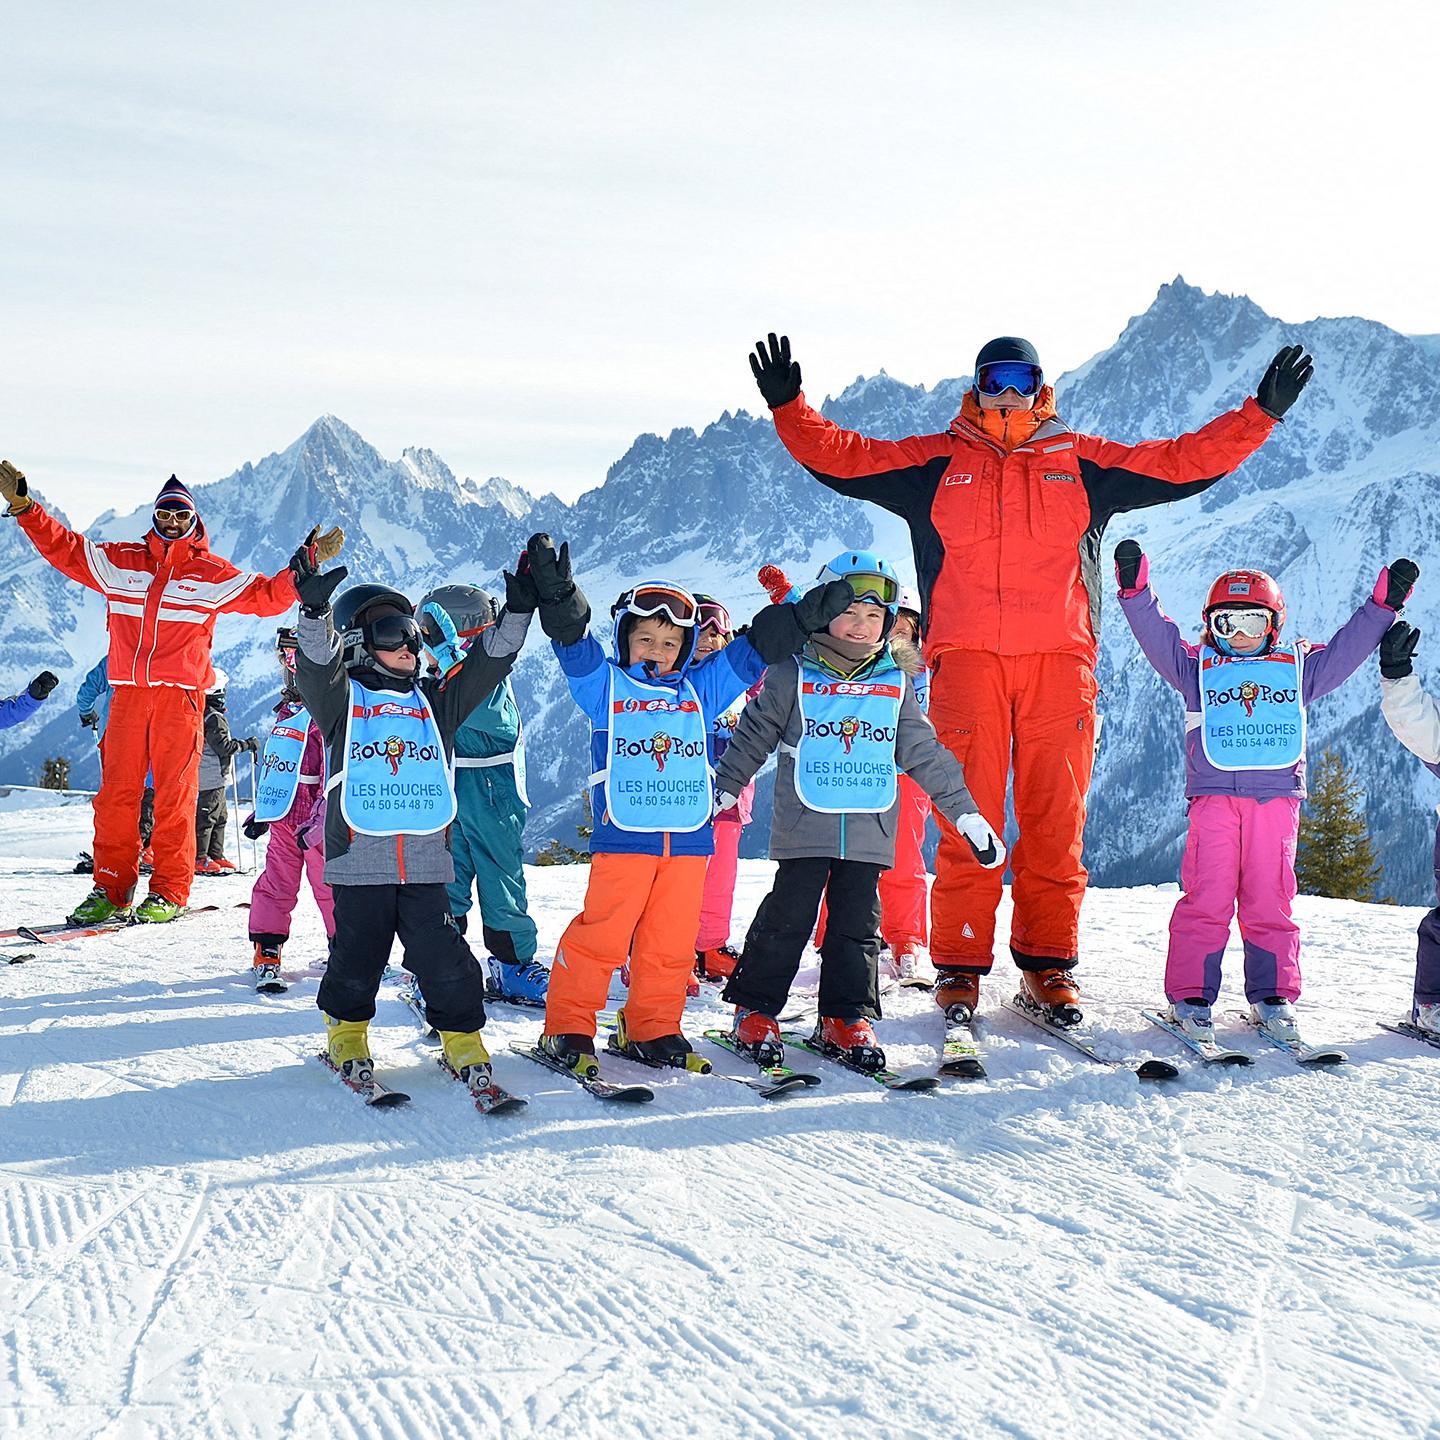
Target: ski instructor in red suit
x=1006 y=510
x=162 y=596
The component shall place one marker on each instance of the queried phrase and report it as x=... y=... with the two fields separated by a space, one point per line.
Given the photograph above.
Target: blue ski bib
x=279 y=774
x=920 y=682
x=658 y=776
x=722 y=729
x=395 y=780
x=845 y=759
x=1251 y=717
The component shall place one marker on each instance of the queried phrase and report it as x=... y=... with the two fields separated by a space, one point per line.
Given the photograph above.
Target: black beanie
x=1007 y=347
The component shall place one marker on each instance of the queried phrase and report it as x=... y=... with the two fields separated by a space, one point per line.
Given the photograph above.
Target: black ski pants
x=211 y=816
x=849 y=983
x=367 y=920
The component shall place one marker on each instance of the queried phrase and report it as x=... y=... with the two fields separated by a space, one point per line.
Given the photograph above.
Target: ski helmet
x=287 y=642
x=370 y=617
x=218 y=682
x=1244 y=590
x=470 y=609
x=1008 y=362
x=871 y=577
x=711 y=614
x=649 y=599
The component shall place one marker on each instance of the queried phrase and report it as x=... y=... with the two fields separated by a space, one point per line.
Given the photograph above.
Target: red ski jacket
x=161 y=597
x=1006 y=530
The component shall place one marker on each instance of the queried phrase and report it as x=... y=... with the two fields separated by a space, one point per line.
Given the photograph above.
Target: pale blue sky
x=521 y=234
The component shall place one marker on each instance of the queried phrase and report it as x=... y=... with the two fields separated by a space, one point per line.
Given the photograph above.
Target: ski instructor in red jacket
x=162 y=595
x=1006 y=509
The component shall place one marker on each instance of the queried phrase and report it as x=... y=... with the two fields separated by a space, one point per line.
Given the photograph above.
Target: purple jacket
x=1326 y=668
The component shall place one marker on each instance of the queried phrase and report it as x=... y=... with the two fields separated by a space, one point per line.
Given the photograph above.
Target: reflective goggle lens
x=1253 y=623
x=883 y=589
x=394 y=632
x=1009 y=375
x=675 y=605
x=714 y=616
x=176 y=515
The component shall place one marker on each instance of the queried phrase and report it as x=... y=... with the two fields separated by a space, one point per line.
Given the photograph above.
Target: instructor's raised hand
x=777 y=375
x=13 y=488
x=1288 y=375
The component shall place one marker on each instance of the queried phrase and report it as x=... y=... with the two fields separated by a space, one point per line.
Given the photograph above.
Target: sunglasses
x=1253 y=623
x=651 y=599
x=1009 y=375
x=394 y=632
x=178 y=516
x=714 y=616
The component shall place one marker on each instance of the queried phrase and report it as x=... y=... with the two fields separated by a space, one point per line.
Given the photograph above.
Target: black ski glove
x=251 y=743
x=43 y=684
x=315 y=588
x=253 y=829
x=1129 y=565
x=1397 y=650
x=1288 y=375
x=521 y=592
x=777 y=375
x=1400 y=577
x=779 y=631
x=90 y=722
x=550 y=569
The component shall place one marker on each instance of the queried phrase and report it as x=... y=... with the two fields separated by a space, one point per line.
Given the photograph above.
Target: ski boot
x=347 y=1042
x=147 y=860
x=692 y=985
x=887 y=966
x=575 y=1052
x=1054 y=992
x=1277 y=1016
x=467 y=1058
x=1194 y=1018
x=156 y=910
x=85 y=865
x=672 y=1050
x=222 y=865
x=1426 y=1017
x=97 y=908
x=957 y=993
x=207 y=867
x=718 y=963
x=909 y=963
x=266 y=968
x=527 y=981
x=758 y=1035
x=852 y=1040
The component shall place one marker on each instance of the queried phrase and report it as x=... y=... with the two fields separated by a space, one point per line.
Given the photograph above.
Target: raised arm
x=1329 y=666
x=1412 y=715
x=1173 y=658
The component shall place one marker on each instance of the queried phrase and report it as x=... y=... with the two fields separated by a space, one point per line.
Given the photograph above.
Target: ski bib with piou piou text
x=1251 y=717
x=396 y=779
x=845 y=757
x=279 y=770
x=658 y=776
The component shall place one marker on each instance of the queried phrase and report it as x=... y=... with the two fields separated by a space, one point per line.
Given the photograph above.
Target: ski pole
x=254 y=802
x=234 y=815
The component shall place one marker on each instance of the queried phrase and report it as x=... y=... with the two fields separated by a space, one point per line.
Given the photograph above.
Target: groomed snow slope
x=203 y=1235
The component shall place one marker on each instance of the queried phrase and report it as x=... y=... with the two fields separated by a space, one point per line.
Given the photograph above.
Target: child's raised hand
x=551 y=569
x=1132 y=569
x=1397 y=650
x=1396 y=582
x=818 y=607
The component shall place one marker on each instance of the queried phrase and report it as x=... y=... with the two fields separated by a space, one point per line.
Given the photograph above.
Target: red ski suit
x=161 y=600
x=1006 y=511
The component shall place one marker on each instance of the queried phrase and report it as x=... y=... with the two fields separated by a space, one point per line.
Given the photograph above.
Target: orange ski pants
x=1035 y=713
x=157 y=731
x=644 y=908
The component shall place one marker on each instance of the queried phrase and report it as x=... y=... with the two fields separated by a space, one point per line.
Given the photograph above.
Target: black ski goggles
x=393 y=632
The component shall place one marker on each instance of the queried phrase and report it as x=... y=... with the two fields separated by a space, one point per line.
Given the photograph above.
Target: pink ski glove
x=1396 y=582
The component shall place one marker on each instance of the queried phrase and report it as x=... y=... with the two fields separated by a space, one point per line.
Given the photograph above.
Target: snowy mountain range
x=1346 y=484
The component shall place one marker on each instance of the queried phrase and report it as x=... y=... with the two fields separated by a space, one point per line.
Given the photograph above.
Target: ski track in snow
x=203 y=1235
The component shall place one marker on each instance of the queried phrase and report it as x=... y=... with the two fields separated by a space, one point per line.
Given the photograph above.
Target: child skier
x=715 y=957
x=391 y=799
x=650 y=708
x=211 y=813
x=290 y=805
x=846 y=721
x=487 y=841
x=22 y=706
x=1246 y=693
x=1414 y=718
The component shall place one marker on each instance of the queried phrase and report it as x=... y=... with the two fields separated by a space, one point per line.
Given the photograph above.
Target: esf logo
x=632 y=706
x=849 y=730
x=394 y=751
x=660 y=747
x=1248 y=693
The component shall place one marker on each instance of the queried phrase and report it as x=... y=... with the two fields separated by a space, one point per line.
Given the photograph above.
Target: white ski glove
x=723 y=802
x=989 y=848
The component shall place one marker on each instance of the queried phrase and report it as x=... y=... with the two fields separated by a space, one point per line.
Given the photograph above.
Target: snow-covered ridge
x=1348 y=482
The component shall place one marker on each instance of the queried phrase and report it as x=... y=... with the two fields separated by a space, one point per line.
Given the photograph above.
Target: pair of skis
x=1213 y=1053
x=489 y=1098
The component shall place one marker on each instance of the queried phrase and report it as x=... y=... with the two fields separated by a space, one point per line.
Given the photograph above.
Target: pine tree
x=1335 y=855
x=55 y=774
x=556 y=852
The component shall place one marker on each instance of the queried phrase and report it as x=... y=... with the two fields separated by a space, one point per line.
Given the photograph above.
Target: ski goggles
x=178 y=516
x=714 y=616
x=393 y=632
x=1003 y=375
x=1253 y=623
x=879 y=589
x=653 y=598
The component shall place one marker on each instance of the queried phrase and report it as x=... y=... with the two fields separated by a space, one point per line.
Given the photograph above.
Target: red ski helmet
x=1246 y=587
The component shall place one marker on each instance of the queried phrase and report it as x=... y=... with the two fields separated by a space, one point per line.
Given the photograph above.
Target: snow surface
x=203 y=1235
